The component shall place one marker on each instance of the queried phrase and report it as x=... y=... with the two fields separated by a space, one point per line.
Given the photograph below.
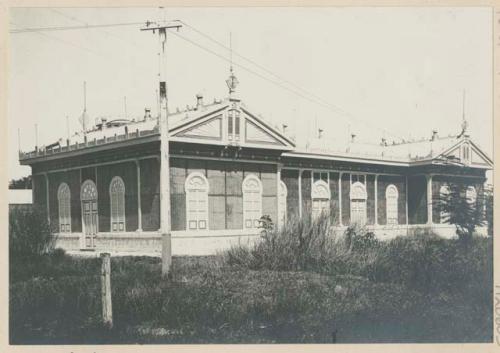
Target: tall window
x=320 y=195
x=252 y=201
x=233 y=125
x=444 y=191
x=283 y=192
x=64 y=202
x=466 y=153
x=117 y=198
x=196 y=187
x=358 y=203
x=391 y=204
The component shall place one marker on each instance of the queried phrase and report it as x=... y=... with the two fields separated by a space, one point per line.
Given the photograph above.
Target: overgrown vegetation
x=30 y=235
x=464 y=211
x=303 y=283
x=21 y=183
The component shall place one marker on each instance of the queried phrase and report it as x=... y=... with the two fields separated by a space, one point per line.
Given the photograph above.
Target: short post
x=107 y=312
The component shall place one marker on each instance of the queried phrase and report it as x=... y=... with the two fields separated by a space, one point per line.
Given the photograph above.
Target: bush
x=29 y=233
x=301 y=244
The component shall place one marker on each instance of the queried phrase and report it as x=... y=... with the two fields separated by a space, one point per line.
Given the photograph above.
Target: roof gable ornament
x=465 y=124
x=232 y=82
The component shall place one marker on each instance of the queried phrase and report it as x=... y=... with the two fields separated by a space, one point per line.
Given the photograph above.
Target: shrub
x=462 y=211
x=29 y=233
x=359 y=239
x=301 y=244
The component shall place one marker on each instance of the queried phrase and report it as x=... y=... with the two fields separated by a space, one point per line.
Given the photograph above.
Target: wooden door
x=89 y=214
x=89 y=223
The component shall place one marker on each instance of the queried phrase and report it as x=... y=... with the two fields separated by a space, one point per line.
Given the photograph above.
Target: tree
x=488 y=199
x=21 y=183
x=461 y=206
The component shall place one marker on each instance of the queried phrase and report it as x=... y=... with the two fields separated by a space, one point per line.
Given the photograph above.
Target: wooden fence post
x=107 y=312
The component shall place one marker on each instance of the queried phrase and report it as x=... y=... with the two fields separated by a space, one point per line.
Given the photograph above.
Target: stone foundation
x=210 y=242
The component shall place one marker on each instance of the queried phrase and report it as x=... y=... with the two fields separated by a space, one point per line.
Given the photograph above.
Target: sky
x=393 y=72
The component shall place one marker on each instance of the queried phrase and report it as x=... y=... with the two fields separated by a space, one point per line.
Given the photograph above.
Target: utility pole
x=165 y=227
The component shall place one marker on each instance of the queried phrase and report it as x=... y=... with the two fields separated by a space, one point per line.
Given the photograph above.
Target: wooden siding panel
x=334 y=200
x=234 y=212
x=291 y=180
x=417 y=200
x=370 y=201
x=268 y=178
x=216 y=175
x=178 y=211
x=234 y=180
x=217 y=212
x=306 y=192
x=269 y=207
x=346 y=201
x=194 y=165
x=150 y=194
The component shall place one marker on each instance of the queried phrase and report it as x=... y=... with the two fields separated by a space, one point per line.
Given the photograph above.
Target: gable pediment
x=468 y=153
x=210 y=129
x=230 y=125
x=256 y=134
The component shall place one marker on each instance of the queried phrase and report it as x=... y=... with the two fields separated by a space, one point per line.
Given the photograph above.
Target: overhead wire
x=280 y=82
x=253 y=62
x=277 y=83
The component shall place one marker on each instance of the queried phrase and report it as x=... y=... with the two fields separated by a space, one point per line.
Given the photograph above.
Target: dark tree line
x=21 y=183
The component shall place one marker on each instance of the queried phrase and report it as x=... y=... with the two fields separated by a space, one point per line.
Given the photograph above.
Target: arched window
x=320 y=195
x=358 y=203
x=117 y=201
x=471 y=195
x=283 y=192
x=252 y=201
x=196 y=187
x=444 y=191
x=391 y=204
x=64 y=202
x=88 y=197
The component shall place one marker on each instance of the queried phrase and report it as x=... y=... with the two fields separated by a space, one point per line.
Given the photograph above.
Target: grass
x=354 y=288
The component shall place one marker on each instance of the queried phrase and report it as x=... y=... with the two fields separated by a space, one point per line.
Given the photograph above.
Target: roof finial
x=232 y=81
x=84 y=117
x=465 y=124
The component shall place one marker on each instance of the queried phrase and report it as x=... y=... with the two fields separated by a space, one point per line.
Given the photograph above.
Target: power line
x=297 y=89
x=75 y=19
x=337 y=108
x=66 y=28
x=64 y=41
x=277 y=83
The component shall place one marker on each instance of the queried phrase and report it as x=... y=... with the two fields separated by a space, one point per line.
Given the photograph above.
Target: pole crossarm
x=155 y=26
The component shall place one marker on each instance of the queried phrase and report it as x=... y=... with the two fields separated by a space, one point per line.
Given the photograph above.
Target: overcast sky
x=398 y=69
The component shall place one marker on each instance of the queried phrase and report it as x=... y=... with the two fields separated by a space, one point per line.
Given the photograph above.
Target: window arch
x=358 y=202
x=196 y=187
x=320 y=195
x=89 y=191
x=391 y=204
x=64 y=203
x=283 y=192
x=444 y=191
x=252 y=201
x=117 y=202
